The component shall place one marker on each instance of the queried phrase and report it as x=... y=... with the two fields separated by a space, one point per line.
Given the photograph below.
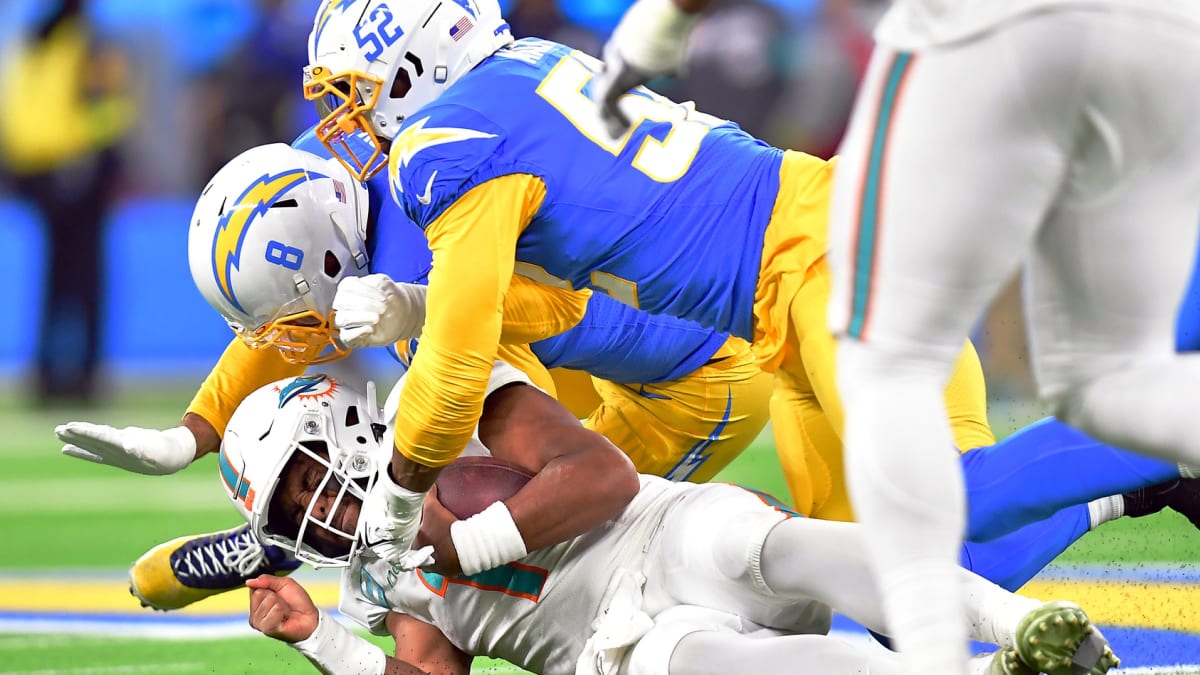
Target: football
x=469 y=485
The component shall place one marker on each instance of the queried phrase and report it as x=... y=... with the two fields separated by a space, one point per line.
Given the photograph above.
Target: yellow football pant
x=685 y=429
x=793 y=339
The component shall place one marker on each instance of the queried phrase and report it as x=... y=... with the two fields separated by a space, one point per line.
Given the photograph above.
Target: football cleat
x=1181 y=495
x=1008 y=662
x=1057 y=638
x=188 y=569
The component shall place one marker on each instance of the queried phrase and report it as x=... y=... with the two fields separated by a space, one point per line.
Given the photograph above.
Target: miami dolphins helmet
x=271 y=236
x=338 y=430
x=373 y=63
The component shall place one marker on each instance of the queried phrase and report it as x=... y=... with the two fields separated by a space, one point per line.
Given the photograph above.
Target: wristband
x=487 y=539
x=335 y=650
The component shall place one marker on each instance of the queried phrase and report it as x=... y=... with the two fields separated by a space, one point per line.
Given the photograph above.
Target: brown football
x=469 y=485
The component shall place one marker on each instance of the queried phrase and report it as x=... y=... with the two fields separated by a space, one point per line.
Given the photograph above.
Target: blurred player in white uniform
x=1058 y=134
x=677 y=578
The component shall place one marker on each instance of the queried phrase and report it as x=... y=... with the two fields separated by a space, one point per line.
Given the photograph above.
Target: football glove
x=374 y=311
x=389 y=521
x=651 y=40
x=147 y=451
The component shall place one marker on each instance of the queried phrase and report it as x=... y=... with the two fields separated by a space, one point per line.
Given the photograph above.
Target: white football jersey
x=914 y=24
x=536 y=612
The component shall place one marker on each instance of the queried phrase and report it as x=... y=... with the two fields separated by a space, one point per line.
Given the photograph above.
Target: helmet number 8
x=377 y=32
x=284 y=256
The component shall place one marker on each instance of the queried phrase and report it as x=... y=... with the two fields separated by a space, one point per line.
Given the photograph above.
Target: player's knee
x=658 y=651
x=738 y=545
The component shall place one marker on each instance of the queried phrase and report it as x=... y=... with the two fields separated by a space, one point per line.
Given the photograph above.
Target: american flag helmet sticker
x=458 y=30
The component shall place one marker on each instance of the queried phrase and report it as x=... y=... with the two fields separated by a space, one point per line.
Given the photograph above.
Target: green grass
x=60 y=513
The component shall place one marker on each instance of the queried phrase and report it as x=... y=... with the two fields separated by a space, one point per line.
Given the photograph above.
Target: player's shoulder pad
x=439 y=155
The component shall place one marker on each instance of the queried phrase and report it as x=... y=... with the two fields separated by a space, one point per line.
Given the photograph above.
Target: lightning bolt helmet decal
x=236 y=221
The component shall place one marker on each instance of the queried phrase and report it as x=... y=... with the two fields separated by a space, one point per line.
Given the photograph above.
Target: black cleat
x=1181 y=495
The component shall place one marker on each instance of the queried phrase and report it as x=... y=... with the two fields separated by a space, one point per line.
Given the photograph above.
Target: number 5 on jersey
x=663 y=160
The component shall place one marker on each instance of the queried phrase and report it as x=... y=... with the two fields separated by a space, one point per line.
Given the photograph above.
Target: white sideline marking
x=40 y=642
x=100 y=670
x=175 y=630
x=1182 y=669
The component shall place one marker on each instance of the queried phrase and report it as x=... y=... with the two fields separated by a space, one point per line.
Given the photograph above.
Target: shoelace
x=223 y=556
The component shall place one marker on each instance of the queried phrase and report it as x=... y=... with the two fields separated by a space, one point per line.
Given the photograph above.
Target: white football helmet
x=272 y=235
x=321 y=418
x=372 y=63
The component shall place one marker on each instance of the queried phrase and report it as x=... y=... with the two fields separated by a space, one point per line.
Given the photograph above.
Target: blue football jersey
x=618 y=343
x=615 y=218
x=612 y=341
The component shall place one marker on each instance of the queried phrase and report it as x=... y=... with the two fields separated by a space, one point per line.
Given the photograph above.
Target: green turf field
x=62 y=516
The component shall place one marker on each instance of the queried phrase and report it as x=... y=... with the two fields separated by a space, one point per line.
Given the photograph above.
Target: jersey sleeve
x=473 y=245
x=240 y=371
x=503 y=374
x=362 y=599
x=440 y=156
x=534 y=311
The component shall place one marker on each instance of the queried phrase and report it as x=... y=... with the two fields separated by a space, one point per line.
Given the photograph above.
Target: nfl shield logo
x=339 y=190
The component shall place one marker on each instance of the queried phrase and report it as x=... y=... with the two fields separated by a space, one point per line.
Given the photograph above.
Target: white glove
x=374 y=311
x=135 y=449
x=390 y=518
x=651 y=40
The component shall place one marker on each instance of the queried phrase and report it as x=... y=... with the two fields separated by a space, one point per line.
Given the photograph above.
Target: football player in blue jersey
x=315 y=229
x=493 y=148
x=276 y=231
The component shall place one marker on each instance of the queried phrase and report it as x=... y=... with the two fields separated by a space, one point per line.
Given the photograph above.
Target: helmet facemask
x=320 y=540
x=343 y=101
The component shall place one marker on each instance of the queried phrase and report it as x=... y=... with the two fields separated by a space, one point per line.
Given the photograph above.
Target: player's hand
x=374 y=311
x=389 y=521
x=147 y=451
x=651 y=40
x=281 y=608
x=435 y=532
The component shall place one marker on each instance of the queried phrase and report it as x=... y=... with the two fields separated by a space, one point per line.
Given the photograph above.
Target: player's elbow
x=619 y=478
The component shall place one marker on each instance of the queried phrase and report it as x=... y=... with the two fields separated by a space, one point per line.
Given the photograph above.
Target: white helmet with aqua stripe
x=316 y=423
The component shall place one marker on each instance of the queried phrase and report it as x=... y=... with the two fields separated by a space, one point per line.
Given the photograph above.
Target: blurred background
x=114 y=113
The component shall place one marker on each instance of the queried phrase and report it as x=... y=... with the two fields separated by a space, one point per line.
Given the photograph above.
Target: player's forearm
x=575 y=493
x=472 y=244
x=397 y=667
x=207 y=438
